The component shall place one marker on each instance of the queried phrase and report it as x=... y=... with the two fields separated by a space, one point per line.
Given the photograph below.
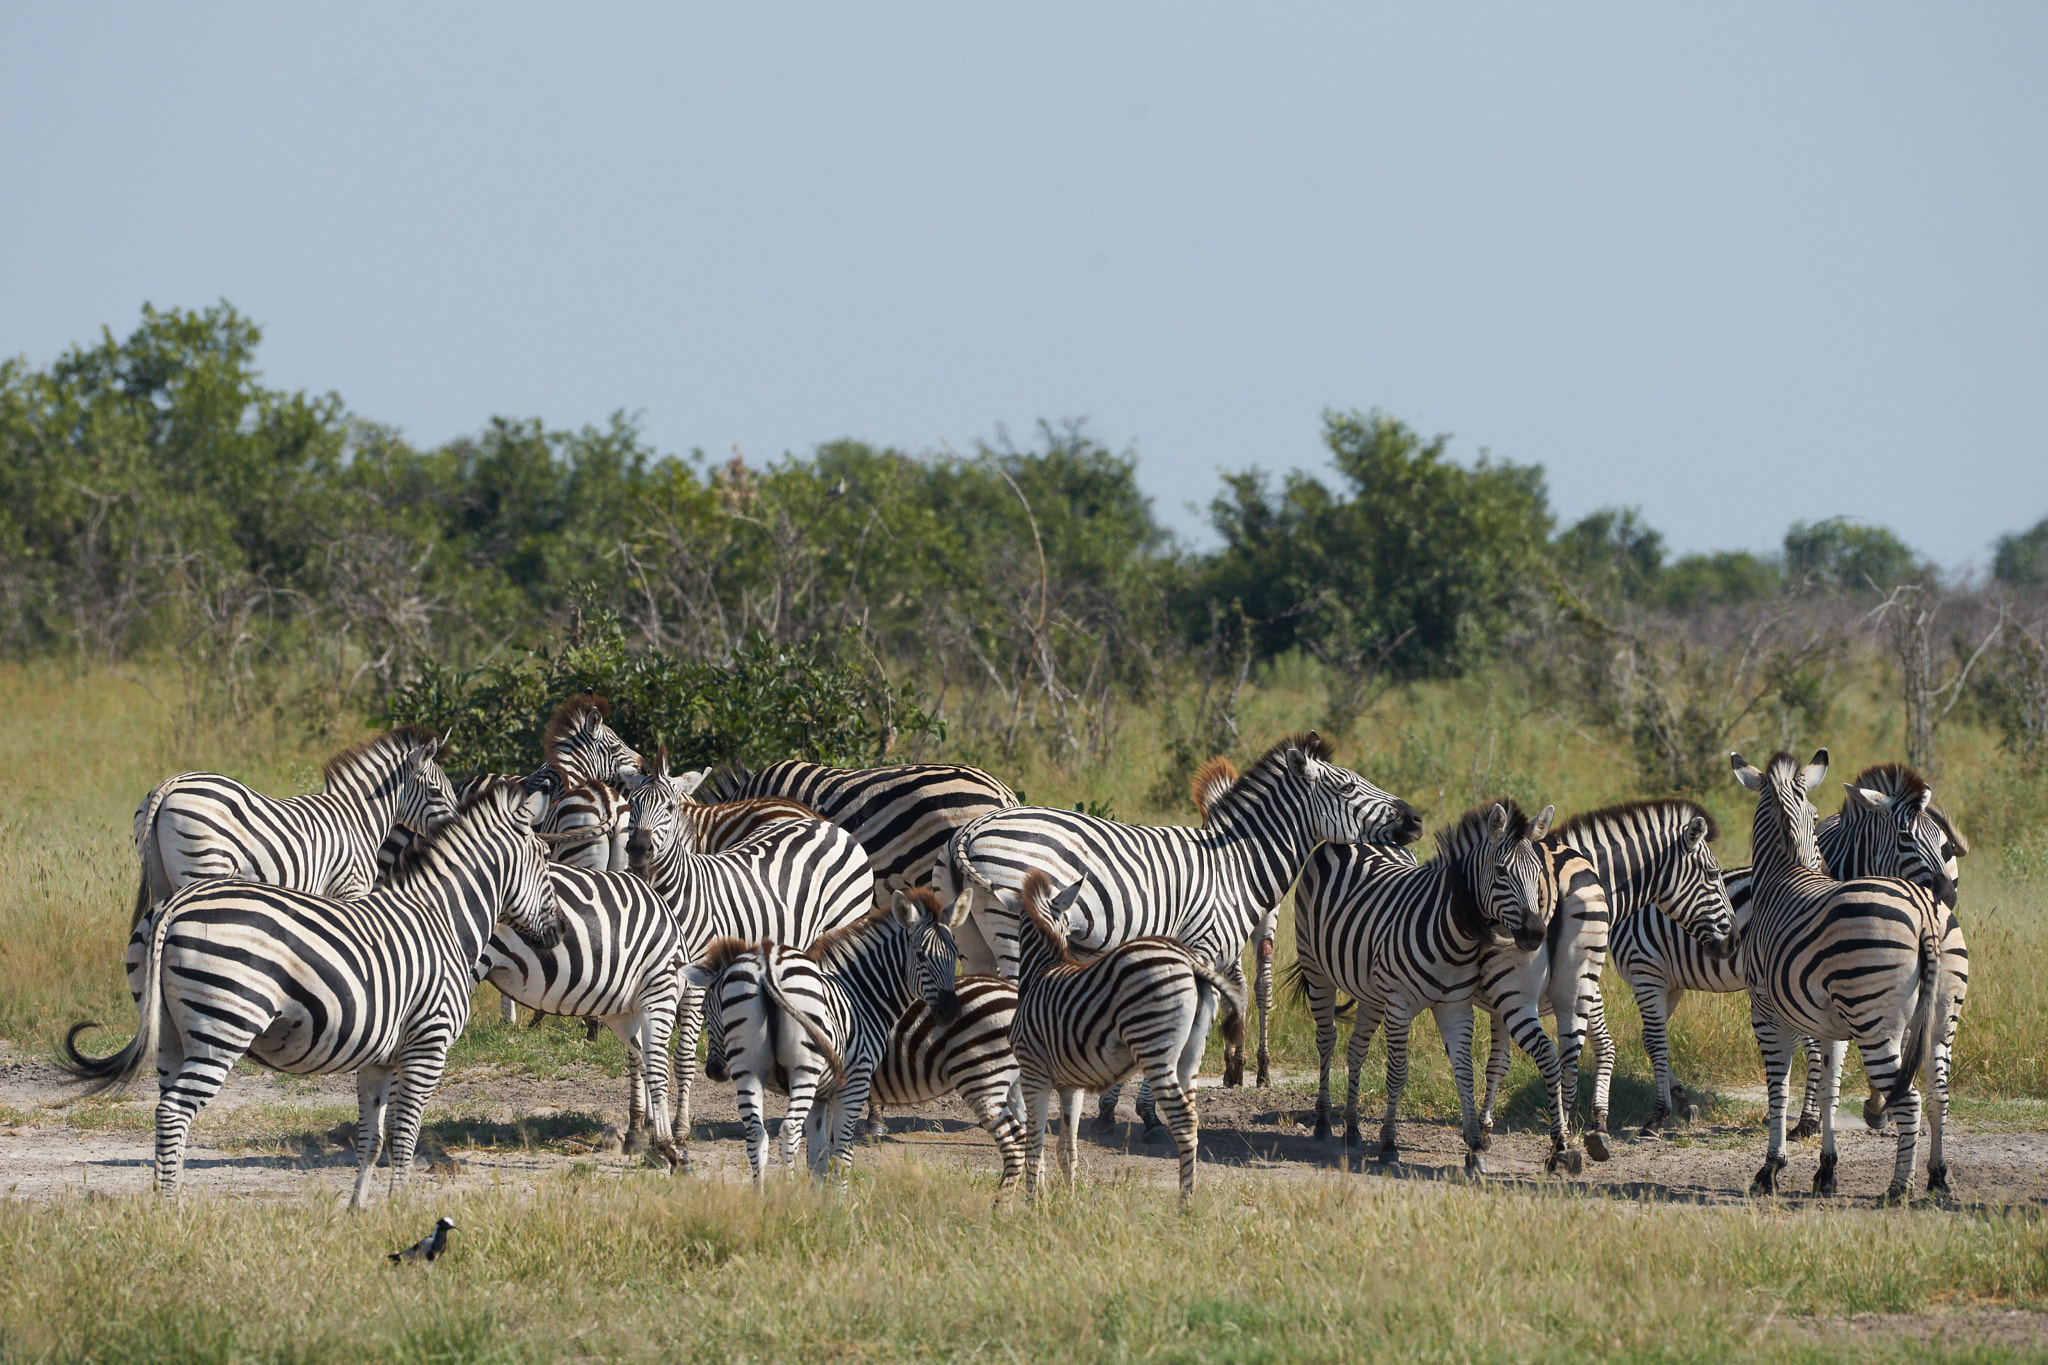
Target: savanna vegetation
x=198 y=571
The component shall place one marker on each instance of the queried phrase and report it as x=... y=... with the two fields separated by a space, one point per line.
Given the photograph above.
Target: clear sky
x=1736 y=264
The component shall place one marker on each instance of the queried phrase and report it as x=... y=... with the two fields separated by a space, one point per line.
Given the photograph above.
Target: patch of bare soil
x=276 y=1137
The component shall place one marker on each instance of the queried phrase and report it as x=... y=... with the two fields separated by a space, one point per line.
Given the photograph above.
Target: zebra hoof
x=1897 y=1197
x=635 y=1143
x=1475 y=1165
x=1389 y=1155
x=1824 y=1178
x=877 y=1130
x=1568 y=1160
x=1873 y=1113
x=1323 y=1131
x=1596 y=1145
x=1158 y=1133
x=1805 y=1128
x=1233 y=1071
x=1655 y=1123
x=1104 y=1124
x=1265 y=1070
x=1689 y=1113
x=1937 y=1177
x=1485 y=1142
x=1766 y=1181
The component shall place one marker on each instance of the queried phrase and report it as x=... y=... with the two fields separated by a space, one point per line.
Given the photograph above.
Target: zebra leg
x=419 y=1076
x=373 y=1096
x=1105 y=1110
x=1497 y=1058
x=1397 y=1023
x=747 y=1088
x=629 y=1030
x=1037 y=1099
x=1655 y=1001
x=1881 y=1063
x=657 y=1024
x=1454 y=1026
x=1571 y=1042
x=1148 y=1112
x=1777 y=1054
x=1937 y=1107
x=683 y=1057
x=848 y=1108
x=1526 y=1027
x=182 y=1096
x=1603 y=1074
x=1322 y=1003
x=1180 y=1109
x=1233 y=1053
x=1264 y=991
x=1831 y=1084
x=987 y=1099
x=508 y=1009
x=803 y=1092
x=1809 y=1110
x=1070 y=1133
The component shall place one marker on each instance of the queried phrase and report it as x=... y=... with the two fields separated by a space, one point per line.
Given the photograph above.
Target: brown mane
x=723 y=951
x=1893 y=779
x=846 y=934
x=1269 y=766
x=1621 y=810
x=398 y=734
x=1037 y=891
x=566 y=718
x=1210 y=781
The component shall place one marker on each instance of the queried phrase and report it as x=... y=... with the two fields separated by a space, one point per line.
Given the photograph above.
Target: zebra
x=904 y=815
x=971 y=1057
x=1145 y=1004
x=581 y=747
x=617 y=962
x=791 y=1017
x=791 y=882
x=1400 y=937
x=311 y=985
x=1603 y=865
x=1660 y=962
x=1211 y=886
x=1210 y=781
x=1876 y=961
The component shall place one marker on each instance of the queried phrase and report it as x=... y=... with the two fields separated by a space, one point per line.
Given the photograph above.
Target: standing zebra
x=1875 y=961
x=970 y=1057
x=1210 y=886
x=905 y=815
x=1603 y=865
x=617 y=962
x=1661 y=962
x=311 y=985
x=1400 y=937
x=791 y=882
x=1145 y=1004
x=792 y=1017
x=581 y=747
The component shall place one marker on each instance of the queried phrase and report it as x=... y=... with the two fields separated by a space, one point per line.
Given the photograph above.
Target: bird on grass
x=429 y=1246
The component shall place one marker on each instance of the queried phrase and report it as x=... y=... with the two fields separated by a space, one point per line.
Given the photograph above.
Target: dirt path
x=273 y=1137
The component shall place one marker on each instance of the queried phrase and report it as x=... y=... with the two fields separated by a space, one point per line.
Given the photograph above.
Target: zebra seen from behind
x=1145 y=1006
x=1876 y=961
x=1400 y=937
x=1660 y=962
x=311 y=985
x=1604 y=865
x=814 y=1024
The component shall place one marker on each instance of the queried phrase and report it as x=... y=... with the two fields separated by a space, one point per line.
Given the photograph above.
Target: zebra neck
x=1261 y=848
x=1838 y=845
x=867 y=969
x=1455 y=894
x=465 y=890
x=366 y=794
x=1632 y=870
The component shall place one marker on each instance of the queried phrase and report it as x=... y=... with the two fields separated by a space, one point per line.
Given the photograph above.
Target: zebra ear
x=956 y=914
x=1301 y=765
x=1497 y=820
x=903 y=909
x=1746 y=774
x=1695 y=834
x=1065 y=899
x=1540 y=826
x=1812 y=773
x=689 y=782
x=700 y=977
x=1867 y=797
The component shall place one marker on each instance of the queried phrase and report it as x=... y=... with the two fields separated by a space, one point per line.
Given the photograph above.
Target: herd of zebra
x=862 y=938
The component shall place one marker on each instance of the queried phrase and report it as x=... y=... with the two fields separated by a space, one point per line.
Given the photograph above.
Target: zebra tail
x=1296 y=986
x=148 y=853
x=803 y=1019
x=101 y=1074
x=1233 y=1002
x=1918 y=1043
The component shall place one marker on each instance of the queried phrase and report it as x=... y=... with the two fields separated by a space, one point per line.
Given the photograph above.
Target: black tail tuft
x=1296 y=985
x=1913 y=1047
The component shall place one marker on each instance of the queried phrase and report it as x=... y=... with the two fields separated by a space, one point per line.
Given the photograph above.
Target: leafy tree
x=2022 y=557
x=1848 y=556
x=1613 y=549
x=1725 y=578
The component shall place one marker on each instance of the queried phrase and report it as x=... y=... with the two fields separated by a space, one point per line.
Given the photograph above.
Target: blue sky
x=1739 y=266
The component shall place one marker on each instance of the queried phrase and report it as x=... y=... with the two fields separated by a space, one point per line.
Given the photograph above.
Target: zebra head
x=655 y=802
x=1499 y=884
x=528 y=902
x=1342 y=807
x=583 y=748
x=1783 y=828
x=1695 y=893
x=1898 y=832
x=1049 y=922
x=426 y=799
x=931 y=960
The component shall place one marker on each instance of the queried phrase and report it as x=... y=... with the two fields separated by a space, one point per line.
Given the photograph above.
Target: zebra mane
x=849 y=937
x=1210 y=782
x=485 y=792
x=1684 y=809
x=399 y=737
x=1035 y=893
x=1893 y=779
x=568 y=719
x=1265 y=772
x=723 y=951
x=726 y=781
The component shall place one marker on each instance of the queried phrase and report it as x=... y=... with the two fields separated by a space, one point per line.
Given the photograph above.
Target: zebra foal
x=815 y=1024
x=311 y=985
x=1400 y=937
x=1873 y=961
x=1144 y=1005
x=928 y=1059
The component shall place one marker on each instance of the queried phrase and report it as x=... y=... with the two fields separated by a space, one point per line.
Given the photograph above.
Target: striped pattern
x=970 y=1057
x=617 y=961
x=1660 y=962
x=311 y=985
x=793 y=881
x=581 y=747
x=1400 y=937
x=1877 y=962
x=814 y=1025
x=1604 y=865
x=905 y=815
x=1144 y=1005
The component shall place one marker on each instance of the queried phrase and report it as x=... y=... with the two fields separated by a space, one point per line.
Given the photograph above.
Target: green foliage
x=766 y=703
x=1421 y=551
x=2021 y=558
x=1848 y=556
x=1613 y=549
x=1726 y=578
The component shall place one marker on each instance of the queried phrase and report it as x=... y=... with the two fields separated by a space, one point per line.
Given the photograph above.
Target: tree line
x=156 y=496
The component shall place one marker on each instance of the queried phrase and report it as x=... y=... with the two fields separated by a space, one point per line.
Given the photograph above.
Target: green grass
x=915 y=1266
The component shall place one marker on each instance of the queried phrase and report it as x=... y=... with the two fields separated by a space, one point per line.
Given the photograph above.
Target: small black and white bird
x=429 y=1246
